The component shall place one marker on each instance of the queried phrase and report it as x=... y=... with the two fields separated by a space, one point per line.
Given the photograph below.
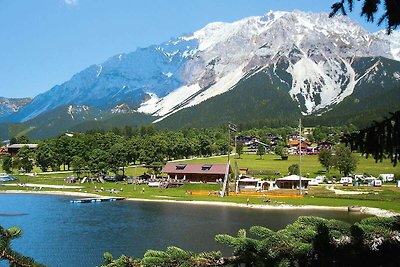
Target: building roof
x=22 y=145
x=293 y=178
x=194 y=168
x=249 y=179
x=3 y=150
x=303 y=143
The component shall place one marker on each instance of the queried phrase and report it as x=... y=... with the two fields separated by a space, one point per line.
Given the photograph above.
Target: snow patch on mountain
x=121 y=109
x=314 y=50
x=74 y=110
x=394 y=41
x=318 y=50
x=12 y=105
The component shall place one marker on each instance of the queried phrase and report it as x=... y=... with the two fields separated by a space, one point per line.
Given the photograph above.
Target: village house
x=246 y=184
x=306 y=148
x=325 y=144
x=196 y=172
x=292 y=182
x=14 y=148
x=247 y=140
x=3 y=150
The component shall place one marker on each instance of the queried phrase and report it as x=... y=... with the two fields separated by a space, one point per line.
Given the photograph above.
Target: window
x=180 y=166
x=206 y=167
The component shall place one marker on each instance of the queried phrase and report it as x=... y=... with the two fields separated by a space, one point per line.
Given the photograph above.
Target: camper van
x=358 y=177
x=346 y=180
x=320 y=179
x=376 y=183
x=387 y=177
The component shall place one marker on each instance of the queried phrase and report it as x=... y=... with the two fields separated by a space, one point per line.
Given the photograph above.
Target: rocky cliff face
x=309 y=55
x=11 y=105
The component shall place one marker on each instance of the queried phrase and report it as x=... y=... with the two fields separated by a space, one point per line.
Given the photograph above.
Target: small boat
x=353 y=208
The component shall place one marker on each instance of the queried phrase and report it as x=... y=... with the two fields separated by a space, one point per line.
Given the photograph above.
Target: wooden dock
x=96 y=199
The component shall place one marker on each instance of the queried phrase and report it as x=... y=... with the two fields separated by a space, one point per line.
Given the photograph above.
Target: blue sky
x=45 y=42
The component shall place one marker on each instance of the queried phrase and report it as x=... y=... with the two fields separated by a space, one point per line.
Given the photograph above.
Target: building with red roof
x=196 y=172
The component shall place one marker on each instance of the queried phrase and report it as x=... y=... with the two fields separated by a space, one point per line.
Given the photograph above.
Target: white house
x=292 y=182
x=245 y=183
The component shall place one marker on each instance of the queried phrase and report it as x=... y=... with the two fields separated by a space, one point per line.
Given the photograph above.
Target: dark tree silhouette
x=380 y=140
x=391 y=8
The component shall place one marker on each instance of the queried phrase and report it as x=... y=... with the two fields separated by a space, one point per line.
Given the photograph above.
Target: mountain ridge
x=310 y=56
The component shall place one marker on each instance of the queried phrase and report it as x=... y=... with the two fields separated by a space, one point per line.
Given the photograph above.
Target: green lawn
x=309 y=164
x=386 y=197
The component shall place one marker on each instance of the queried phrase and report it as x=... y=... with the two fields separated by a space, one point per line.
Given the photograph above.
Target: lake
x=60 y=233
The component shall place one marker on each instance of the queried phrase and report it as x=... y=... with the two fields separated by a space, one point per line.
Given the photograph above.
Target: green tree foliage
x=326 y=159
x=101 y=151
x=309 y=241
x=65 y=150
x=7 y=163
x=345 y=161
x=8 y=254
x=23 y=139
x=380 y=140
x=239 y=148
x=172 y=257
x=78 y=164
x=260 y=150
x=45 y=156
x=133 y=148
x=25 y=158
x=294 y=169
x=118 y=157
x=98 y=159
x=175 y=256
x=282 y=151
x=391 y=11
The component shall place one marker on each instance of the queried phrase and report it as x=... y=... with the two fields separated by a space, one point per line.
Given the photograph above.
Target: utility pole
x=300 y=156
x=225 y=187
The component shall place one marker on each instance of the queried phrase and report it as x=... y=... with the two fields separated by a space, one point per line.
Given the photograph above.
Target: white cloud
x=71 y=2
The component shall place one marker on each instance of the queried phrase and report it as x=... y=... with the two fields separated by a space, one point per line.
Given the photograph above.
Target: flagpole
x=300 y=156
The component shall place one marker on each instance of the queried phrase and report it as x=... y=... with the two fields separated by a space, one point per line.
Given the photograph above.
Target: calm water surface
x=59 y=233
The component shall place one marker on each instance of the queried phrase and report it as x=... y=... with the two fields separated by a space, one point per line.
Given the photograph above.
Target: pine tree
x=8 y=254
x=391 y=11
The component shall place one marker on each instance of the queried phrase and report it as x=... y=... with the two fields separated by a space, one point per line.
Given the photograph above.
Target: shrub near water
x=309 y=241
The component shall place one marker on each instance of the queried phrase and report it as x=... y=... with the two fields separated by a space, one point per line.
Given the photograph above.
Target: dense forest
x=101 y=152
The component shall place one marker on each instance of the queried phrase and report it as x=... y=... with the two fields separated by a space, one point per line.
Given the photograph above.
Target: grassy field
x=309 y=164
x=386 y=197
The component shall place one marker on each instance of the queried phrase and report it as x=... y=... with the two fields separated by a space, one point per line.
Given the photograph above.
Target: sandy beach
x=366 y=210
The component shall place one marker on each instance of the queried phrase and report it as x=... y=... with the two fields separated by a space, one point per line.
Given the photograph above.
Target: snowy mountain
x=311 y=53
x=311 y=57
x=12 y=105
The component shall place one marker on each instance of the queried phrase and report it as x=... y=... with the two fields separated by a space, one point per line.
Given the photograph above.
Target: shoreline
x=365 y=210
